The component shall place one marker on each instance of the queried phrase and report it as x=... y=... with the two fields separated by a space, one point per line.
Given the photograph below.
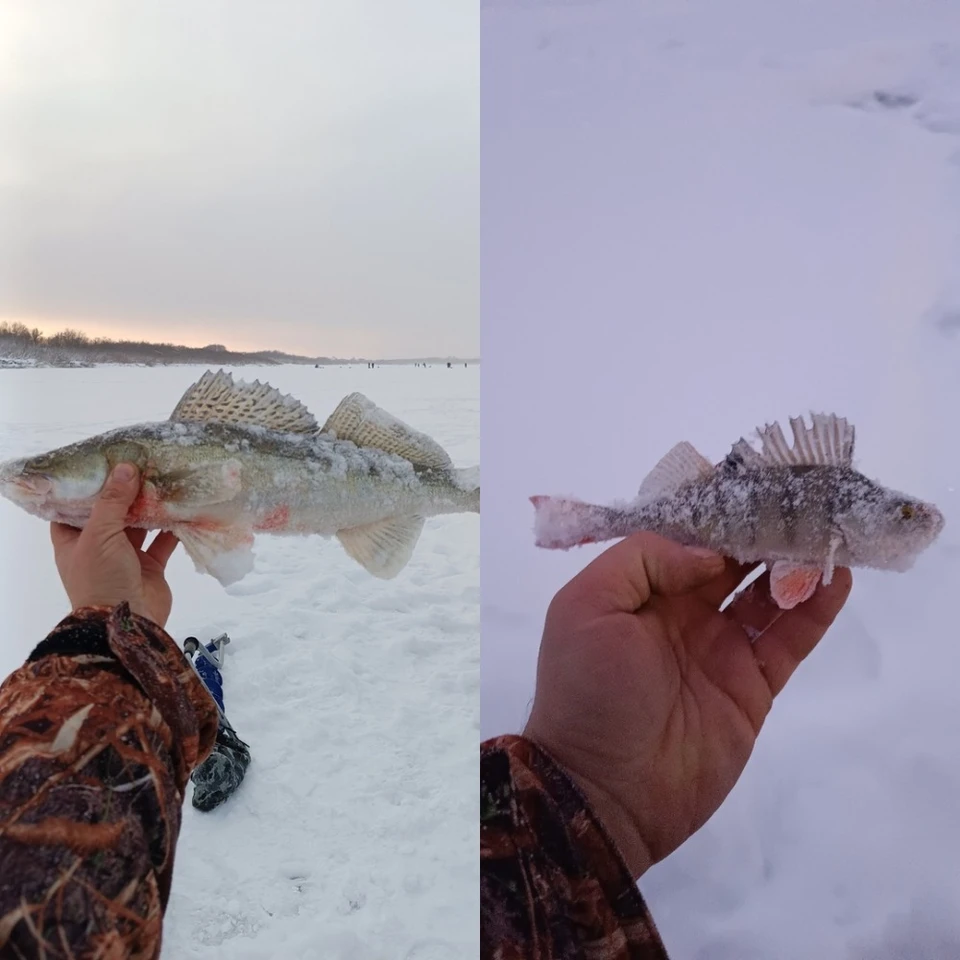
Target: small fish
x=236 y=459
x=802 y=510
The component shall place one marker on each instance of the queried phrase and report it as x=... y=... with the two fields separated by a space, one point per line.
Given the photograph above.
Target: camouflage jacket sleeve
x=99 y=731
x=552 y=884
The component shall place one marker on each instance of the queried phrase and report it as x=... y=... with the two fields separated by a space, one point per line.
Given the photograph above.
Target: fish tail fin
x=468 y=480
x=561 y=523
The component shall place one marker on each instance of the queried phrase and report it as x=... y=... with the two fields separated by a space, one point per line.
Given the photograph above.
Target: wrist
x=97 y=602
x=607 y=811
x=618 y=826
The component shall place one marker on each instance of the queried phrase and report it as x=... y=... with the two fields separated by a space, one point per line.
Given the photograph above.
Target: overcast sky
x=290 y=175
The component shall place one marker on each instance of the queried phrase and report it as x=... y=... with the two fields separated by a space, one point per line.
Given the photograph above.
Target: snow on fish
x=236 y=459
x=802 y=510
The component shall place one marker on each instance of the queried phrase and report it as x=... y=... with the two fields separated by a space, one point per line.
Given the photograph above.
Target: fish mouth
x=36 y=485
x=932 y=517
x=20 y=486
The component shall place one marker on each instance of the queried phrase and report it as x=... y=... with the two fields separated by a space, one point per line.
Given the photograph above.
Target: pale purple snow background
x=697 y=218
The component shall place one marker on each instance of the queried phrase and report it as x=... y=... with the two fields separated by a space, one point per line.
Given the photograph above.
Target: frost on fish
x=803 y=509
x=238 y=459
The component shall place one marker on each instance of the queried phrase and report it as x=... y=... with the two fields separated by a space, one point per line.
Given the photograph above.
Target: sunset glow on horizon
x=328 y=342
x=202 y=173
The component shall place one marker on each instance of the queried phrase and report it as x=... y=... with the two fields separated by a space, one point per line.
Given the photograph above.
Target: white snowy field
x=355 y=833
x=700 y=217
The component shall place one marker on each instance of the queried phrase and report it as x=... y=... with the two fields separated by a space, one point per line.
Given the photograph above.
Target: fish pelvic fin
x=361 y=421
x=793 y=583
x=682 y=464
x=226 y=553
x=383 y=548
x=217 y=396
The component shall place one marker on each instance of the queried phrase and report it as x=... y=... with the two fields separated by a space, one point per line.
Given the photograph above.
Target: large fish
x=236 y=459
x=802 y=510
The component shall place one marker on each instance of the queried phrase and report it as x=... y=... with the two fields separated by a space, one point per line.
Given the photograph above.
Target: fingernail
x=704 y=554
x=123 y=472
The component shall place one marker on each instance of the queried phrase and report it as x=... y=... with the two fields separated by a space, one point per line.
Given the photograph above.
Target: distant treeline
x=25 y=346
x=74 y=348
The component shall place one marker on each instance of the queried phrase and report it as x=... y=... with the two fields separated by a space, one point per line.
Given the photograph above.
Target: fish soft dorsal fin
x=829 y=441
x=680 y=465
x=217 y=396
x=361 y=421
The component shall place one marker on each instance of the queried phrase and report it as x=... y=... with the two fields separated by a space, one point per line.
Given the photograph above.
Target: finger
x=755 y=610
x=162 y=547
x=785 y=645
x=109 y=513
x=136 y=535
x=624 y=577
x=716 y=591
x=62 y=536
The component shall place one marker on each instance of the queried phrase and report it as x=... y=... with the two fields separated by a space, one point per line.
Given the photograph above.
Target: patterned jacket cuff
x=83 y=632
x=156 y=665
x=601 y=870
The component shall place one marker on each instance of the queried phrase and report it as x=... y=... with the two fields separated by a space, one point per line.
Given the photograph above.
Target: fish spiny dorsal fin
x=829 y=441
x=362 y=422
x=743 y=456
x=775 y=447
x=682 y=464
x=216 y=396
x=830 y=438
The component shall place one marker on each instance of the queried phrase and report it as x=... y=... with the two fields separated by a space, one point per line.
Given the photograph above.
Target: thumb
x=623 y=578
x=109 y=513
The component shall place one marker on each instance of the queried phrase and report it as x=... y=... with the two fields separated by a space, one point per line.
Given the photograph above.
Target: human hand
x=651 y=698
x=104 y=564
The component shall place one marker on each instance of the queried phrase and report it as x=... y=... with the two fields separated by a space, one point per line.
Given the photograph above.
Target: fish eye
x=906 y=511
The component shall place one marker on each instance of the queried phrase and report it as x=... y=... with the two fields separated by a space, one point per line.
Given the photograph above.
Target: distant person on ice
x=648 y=702
x=99 y=733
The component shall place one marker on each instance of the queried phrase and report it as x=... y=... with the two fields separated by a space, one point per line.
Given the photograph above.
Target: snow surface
x=701 y=217
x=355 y=833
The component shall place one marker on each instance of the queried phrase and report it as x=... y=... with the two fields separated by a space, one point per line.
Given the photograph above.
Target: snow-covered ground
x=17 y=362
x=355 y=833
x=700 y=217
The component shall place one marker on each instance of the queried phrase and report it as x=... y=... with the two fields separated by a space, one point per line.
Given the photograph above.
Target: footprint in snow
x=431 y=950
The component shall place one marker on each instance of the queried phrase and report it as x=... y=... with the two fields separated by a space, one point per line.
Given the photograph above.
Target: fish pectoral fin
x=792 y=583
x=364 y=423
x=830 y=564
x=226 y=553
x=217 y=396
x=680 y=465
x=829 y=441
x=383 y=548
x=202 y=485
